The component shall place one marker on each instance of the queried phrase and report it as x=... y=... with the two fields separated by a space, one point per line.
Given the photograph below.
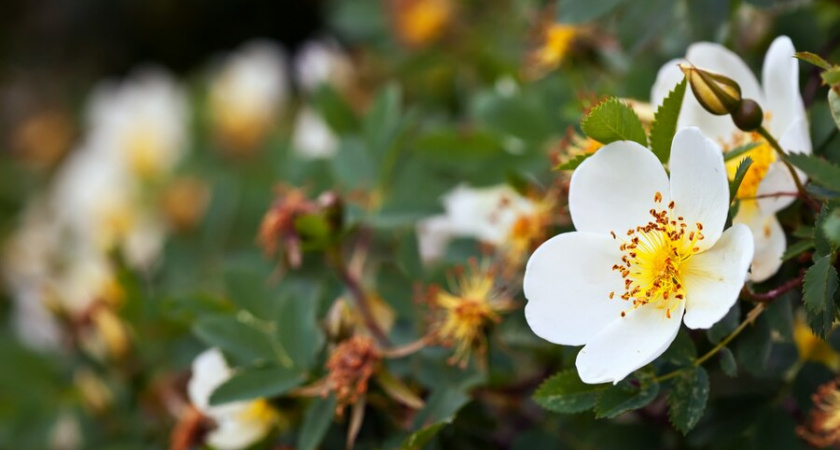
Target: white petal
x=312 y=137
x=699 y=185
x=233 y=433
x=433 y=234
x=209 y=370
x=567 y=282
x=780 y=76
x=777 y=180
x=667 y=78
x=613 y=190
x=796 y=138
x=770 y=243
x=714 y=278
x=628 y=343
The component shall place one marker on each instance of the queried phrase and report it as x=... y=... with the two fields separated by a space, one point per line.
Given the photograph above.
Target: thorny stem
x=751 y=316
x=769 y=296
x=359 y=297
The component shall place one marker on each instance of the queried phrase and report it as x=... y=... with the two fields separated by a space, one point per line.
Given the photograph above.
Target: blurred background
x=152 y=153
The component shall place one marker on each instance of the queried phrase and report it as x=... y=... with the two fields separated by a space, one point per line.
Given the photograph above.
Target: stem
x=359 y=298
x=751 y=316
x=407 y=349
x=783 y=156
x=769 y=296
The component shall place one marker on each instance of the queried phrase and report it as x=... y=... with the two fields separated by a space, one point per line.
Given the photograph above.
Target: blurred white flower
x=486 y=214
x=247 y=93
x=322 y=62
x=238 y=424
x=785 y=119
x=140 y=123
x=312 y=136
x=647 y=249
x=102 y=206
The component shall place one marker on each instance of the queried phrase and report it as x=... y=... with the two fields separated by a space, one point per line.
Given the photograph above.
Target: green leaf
x=316 y=422
x=740 y=173
x=682 y=351
x=822 y=244
x=831 y=77
x=819 y=170
x=565 y=393
x=335 y=110
x=634 y=392
x=398 y=391
x=687 y=399
x=611 y=121
x=726 y=325
x=665 y=123
x=797 y=249
x=753 y=346
x=727 y=362
x=573 y=163
x=820 y=285
x=831 y=228
x=812 y=58
x=420 y=438
x=382 y=123
x=582 y=11
x=238 y=337
x=739 y=150
x=256 y=382
x=834 y=105
x=296 y=319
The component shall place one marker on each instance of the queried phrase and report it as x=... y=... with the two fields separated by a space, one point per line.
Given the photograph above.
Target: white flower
x=785 y=119
x=238 y=424
x=486 y=214
x=647 y=249
x=322 y=62
x=312 y=136
x=140 y=123
x=248 y=91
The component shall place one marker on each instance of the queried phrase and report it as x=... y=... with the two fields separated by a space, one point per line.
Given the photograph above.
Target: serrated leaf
x=820 y=171
x=797 y=249
x=634 y=392
x=740 y=173
x=613 y=120
x=573 y=163
x=687 y=399
x=812 y=58
x=665 y=122
x=727 y=362
x=256 y=382
x=739 y=150
x=820 y=285
x=682 y=351
x=566 y=393
x=316 y=422
x=822 y=244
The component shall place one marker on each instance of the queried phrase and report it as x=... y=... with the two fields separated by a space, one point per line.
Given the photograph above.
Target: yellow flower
x=474 y=303
x=553 y=44
x=812 y=348
x=421 y=22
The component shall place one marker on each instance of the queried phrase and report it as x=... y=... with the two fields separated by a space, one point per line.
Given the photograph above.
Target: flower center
x=653 y=258
x=762 y=156
x=259 y=411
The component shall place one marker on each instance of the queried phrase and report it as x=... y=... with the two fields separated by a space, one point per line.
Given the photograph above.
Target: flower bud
x=749 y=116
x=718 y=94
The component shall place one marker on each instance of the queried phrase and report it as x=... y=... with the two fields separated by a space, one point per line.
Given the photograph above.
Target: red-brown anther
x=277 y=231
x=822 y=428
x=350 y=367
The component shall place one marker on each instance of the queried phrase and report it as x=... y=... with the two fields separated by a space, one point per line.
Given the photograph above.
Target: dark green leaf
x=297 y=325
x=634 y=392
x=573 y=163
x=831 y=228
x=665 y=123
x=753 y=346
x=740 y=173
x=316 y=421
x=814 y=59
x=727 y=362
x=682 y=351
x=565 y=393
x=420 y=438
x=687 y=399
x=820 y=285
x=726 y=325
x=797 y=249
x=819 y=170
x=256 y=382
x=739 y=151
x=613 y=120
x=239 y=337
x=581 y=11
x=335 y=110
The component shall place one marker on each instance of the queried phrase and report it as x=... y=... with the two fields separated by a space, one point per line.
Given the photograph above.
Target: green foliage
x=573 y=163
x=727 y=362
x=665 y=123
x=822 y=172
x=739 y=150
x=565 y=393
x=420 y=438
x=582 y=11
x=687 y=399
x=612 y=120
x=635 y=392
x=819 y=289
x=822 y=244
x=316 y=422
x=740 y=173
x=834 y=104
x=256 y=382
x=797 y=248
x=814 y=59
